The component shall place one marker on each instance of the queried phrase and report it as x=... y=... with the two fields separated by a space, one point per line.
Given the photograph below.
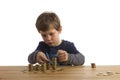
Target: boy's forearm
x=76 y=59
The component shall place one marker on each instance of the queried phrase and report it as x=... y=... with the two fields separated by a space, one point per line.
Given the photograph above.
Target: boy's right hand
x=41 y=57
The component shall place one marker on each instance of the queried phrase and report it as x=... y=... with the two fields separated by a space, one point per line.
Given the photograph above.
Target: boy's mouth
x=49 y=43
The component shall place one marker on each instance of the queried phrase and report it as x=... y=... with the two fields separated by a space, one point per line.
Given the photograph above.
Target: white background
x=93 y=26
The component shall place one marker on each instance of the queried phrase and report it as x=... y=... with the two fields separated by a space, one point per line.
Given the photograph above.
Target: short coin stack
x=93 y=65
x=44 y=66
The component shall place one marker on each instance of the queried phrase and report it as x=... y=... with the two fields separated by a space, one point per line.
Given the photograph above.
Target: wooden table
x=68 y=73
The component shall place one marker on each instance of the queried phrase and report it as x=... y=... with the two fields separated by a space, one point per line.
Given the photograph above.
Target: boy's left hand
x=62 y=55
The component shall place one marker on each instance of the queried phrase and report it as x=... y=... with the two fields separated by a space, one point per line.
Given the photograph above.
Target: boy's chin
x=52 y=45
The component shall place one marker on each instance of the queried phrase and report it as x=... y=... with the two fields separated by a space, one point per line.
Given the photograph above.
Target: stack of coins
x=30 y=67
x=37 y=67
x=43 y=67
x=48 y=66
x=93 y=65
x=54 y=65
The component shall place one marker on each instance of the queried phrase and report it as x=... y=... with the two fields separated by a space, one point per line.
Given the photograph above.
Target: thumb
x=44 y=58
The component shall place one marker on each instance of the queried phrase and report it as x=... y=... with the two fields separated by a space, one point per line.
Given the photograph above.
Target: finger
x=62 y=59
x=60 y=55
x=40 y=61
x=44 y=58
x=60 y=51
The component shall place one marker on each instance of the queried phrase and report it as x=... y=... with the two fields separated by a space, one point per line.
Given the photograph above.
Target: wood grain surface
x=107 y=72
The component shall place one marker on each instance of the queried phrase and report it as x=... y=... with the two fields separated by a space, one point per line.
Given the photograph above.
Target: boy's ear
x=60 y=29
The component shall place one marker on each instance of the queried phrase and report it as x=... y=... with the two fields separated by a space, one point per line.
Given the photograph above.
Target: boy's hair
x=47 y=20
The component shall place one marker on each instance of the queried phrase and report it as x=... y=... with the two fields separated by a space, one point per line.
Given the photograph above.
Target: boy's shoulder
x=67 y=42
x=42 y=43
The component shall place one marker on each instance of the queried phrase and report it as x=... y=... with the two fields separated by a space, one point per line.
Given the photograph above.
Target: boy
x=48 y=25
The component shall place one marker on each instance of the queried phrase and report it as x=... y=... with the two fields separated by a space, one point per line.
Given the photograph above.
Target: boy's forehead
x=48 y=31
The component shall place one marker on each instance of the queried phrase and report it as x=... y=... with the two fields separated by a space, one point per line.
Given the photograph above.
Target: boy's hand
x=41 y=57
x=62 y=55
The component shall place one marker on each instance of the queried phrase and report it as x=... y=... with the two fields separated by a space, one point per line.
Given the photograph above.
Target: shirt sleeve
x=74 y=56
x=32 y=56
x=76 y=59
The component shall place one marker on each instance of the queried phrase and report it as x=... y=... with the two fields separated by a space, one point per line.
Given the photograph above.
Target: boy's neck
x=60 y=41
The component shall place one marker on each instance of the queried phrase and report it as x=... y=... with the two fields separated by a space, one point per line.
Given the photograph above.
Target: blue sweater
x=74 y=56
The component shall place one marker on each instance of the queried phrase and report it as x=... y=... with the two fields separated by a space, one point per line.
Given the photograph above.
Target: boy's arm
x=32 y=57
x=76 y=59
x=74 y=56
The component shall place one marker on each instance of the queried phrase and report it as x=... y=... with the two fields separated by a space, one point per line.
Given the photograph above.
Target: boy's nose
x=48 y=37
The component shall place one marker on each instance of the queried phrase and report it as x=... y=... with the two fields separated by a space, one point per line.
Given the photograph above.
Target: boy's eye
x=43 y=35
x=51 y=34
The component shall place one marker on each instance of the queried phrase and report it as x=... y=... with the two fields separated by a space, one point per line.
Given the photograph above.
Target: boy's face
x=51 y=37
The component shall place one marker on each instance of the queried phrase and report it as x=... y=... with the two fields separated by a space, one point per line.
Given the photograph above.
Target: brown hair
x=47 y=20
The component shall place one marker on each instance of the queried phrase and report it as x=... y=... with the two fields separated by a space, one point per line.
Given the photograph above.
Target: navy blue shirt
x=74 y=56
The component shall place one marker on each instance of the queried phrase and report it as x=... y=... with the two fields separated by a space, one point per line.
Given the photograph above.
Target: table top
x=105 y=72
